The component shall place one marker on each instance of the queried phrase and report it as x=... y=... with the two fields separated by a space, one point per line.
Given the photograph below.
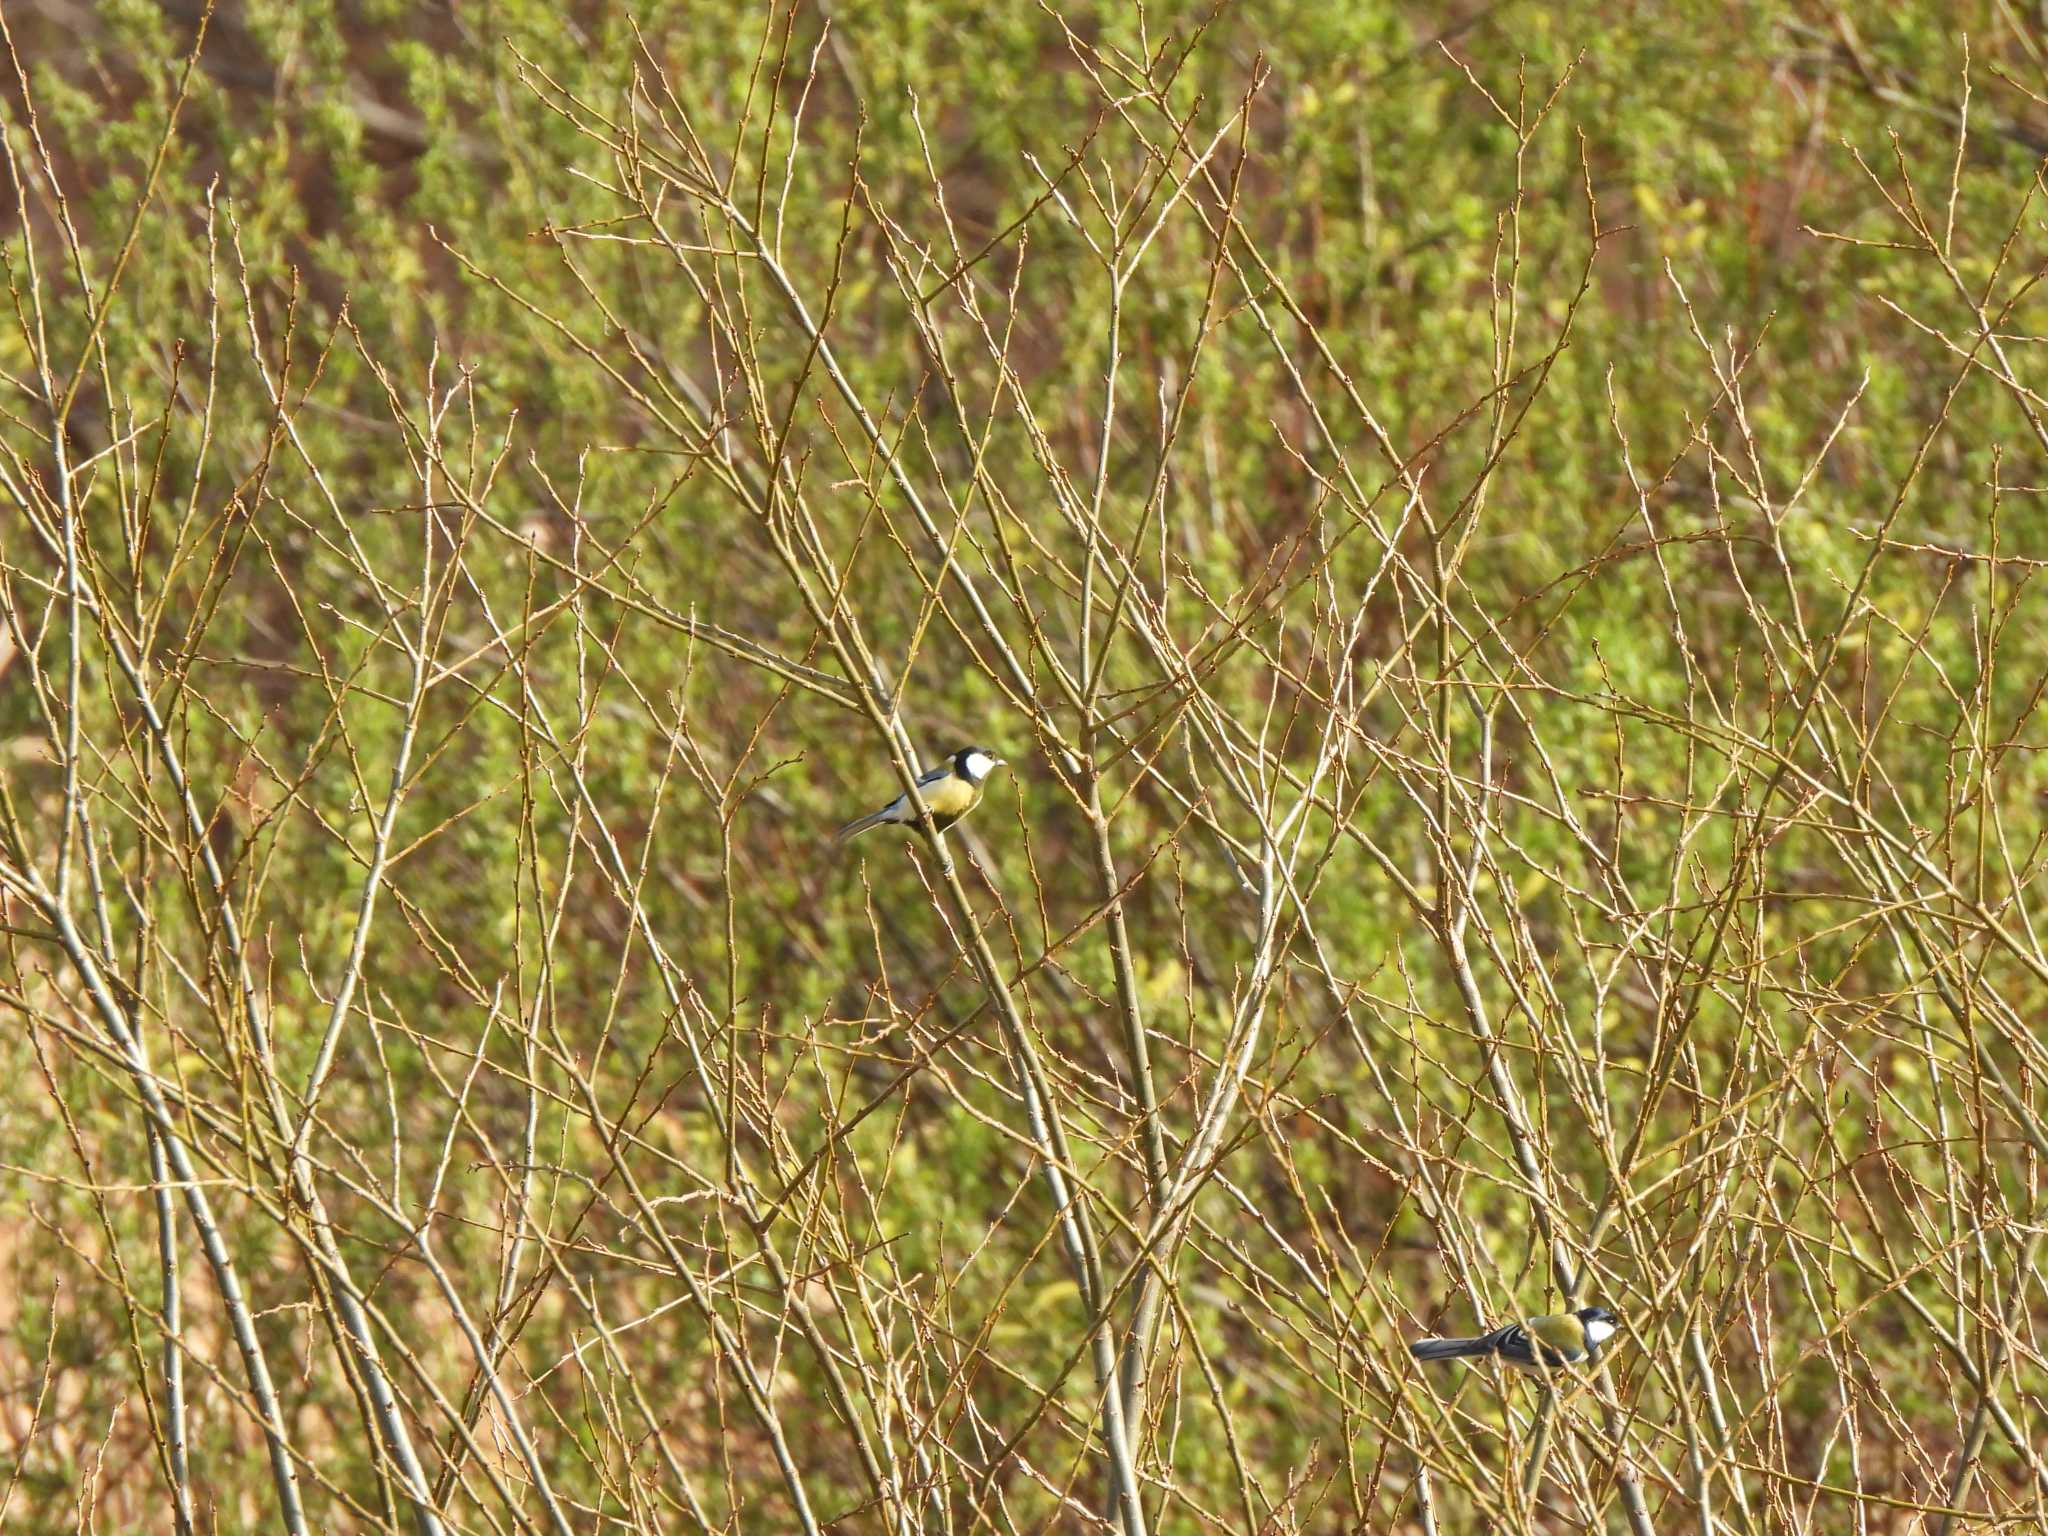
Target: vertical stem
x=2001 y=1347
x=172 y=1303
x=283 y=1474
x=1539 y=1446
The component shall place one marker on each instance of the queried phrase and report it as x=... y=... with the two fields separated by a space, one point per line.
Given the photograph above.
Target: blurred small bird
x=1536 y=1344
x=949 y=791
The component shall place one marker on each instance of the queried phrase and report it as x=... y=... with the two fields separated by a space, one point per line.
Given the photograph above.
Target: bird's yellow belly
x=949 y=797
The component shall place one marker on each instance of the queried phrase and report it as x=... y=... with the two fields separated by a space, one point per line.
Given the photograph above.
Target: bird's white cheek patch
x=979 y=766
x=1599 y=1333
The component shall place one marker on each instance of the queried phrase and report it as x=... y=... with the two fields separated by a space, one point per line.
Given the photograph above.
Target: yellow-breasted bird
x=949 y=792
x=1535 y=1344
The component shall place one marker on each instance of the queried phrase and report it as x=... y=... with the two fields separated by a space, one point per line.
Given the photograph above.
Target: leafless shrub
x=1707 y=986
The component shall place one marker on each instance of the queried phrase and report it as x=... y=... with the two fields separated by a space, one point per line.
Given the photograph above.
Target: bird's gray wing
x=1521 y=1347
x=1513 y=1344
x=900 y=809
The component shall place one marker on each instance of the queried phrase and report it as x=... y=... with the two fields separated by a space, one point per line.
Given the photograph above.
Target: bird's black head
x=975 y=763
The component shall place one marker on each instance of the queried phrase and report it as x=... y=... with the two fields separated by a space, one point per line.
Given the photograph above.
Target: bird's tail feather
x=854 y=828
x=1447 y=1349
